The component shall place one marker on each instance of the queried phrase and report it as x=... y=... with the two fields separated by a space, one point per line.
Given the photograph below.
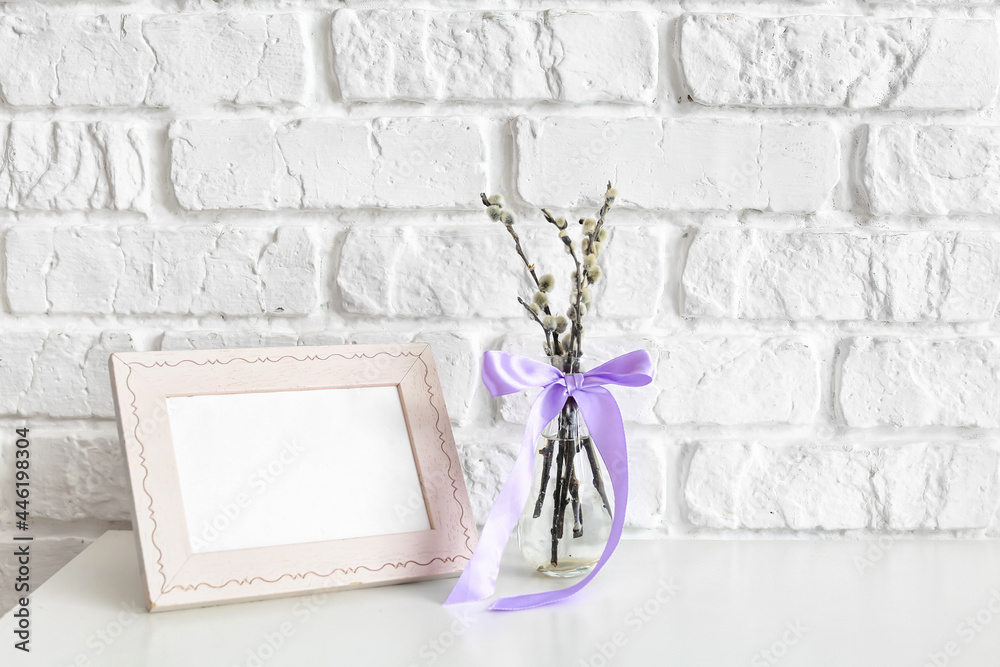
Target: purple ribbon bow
x=507 y=374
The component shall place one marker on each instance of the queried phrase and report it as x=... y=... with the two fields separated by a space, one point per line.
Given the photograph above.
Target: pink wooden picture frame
x=176 y=576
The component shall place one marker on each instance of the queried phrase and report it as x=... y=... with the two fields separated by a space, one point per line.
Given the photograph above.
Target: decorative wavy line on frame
x=217 y=362
x=159 y=560
x=350 y=570
x=145 y=476
x=454 y=482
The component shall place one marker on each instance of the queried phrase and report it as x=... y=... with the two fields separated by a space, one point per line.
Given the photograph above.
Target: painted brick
x=896 y=277
x=932 y=169
x=635 y=273
x=64 y=59
x=233 y=58
x=321 y=338
x=58 y=374
x=431 y=272
x=459 y=271
x=457 y=359
x=647 y=490
x=67 y=59
x=385 y=54
x=815 y=487
x=328 y=163
x=677 y=164
x=485 y=469
x=190 y=270
x=215 y=340
x=920 y=382
x=850 y=62
x=77 y=476
x=67 y=165
x=737 y=380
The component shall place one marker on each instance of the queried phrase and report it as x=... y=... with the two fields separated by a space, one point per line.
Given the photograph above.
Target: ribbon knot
x=574 y=382
x=505 y=373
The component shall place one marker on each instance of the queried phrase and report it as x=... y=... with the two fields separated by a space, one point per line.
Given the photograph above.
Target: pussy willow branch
x=576 y=335
x=517 y=242
x=534 y=277
x=600 y=219
x=535 y=317
x=575 y=338
x=604 y=212
x=531 y=313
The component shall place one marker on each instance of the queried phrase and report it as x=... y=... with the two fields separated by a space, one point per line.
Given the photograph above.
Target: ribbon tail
x=479 y=579
x=604 y=421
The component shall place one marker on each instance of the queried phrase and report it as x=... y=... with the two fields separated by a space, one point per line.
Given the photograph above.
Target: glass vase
x=567 y=519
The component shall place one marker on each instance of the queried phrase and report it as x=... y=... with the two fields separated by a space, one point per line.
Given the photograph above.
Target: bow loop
x=633 y=369
x=505 y=373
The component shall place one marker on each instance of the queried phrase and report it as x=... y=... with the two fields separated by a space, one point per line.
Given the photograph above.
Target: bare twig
x=557 y=505
x=595 y=468
x=564 y=497
x=562 y=501
x=546 y=469
x=574 y=491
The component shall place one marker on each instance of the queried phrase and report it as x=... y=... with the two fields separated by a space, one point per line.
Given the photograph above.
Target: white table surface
x=714 y=603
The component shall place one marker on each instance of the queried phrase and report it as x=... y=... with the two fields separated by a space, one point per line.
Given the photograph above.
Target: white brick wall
x=442 y=55
x=137 y=270
x=806 y=236
x=911 y=276
x=839 y=61
x=73 y=165
x=677 y=164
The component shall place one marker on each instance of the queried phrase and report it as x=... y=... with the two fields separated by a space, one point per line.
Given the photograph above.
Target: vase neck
x=567 y=363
